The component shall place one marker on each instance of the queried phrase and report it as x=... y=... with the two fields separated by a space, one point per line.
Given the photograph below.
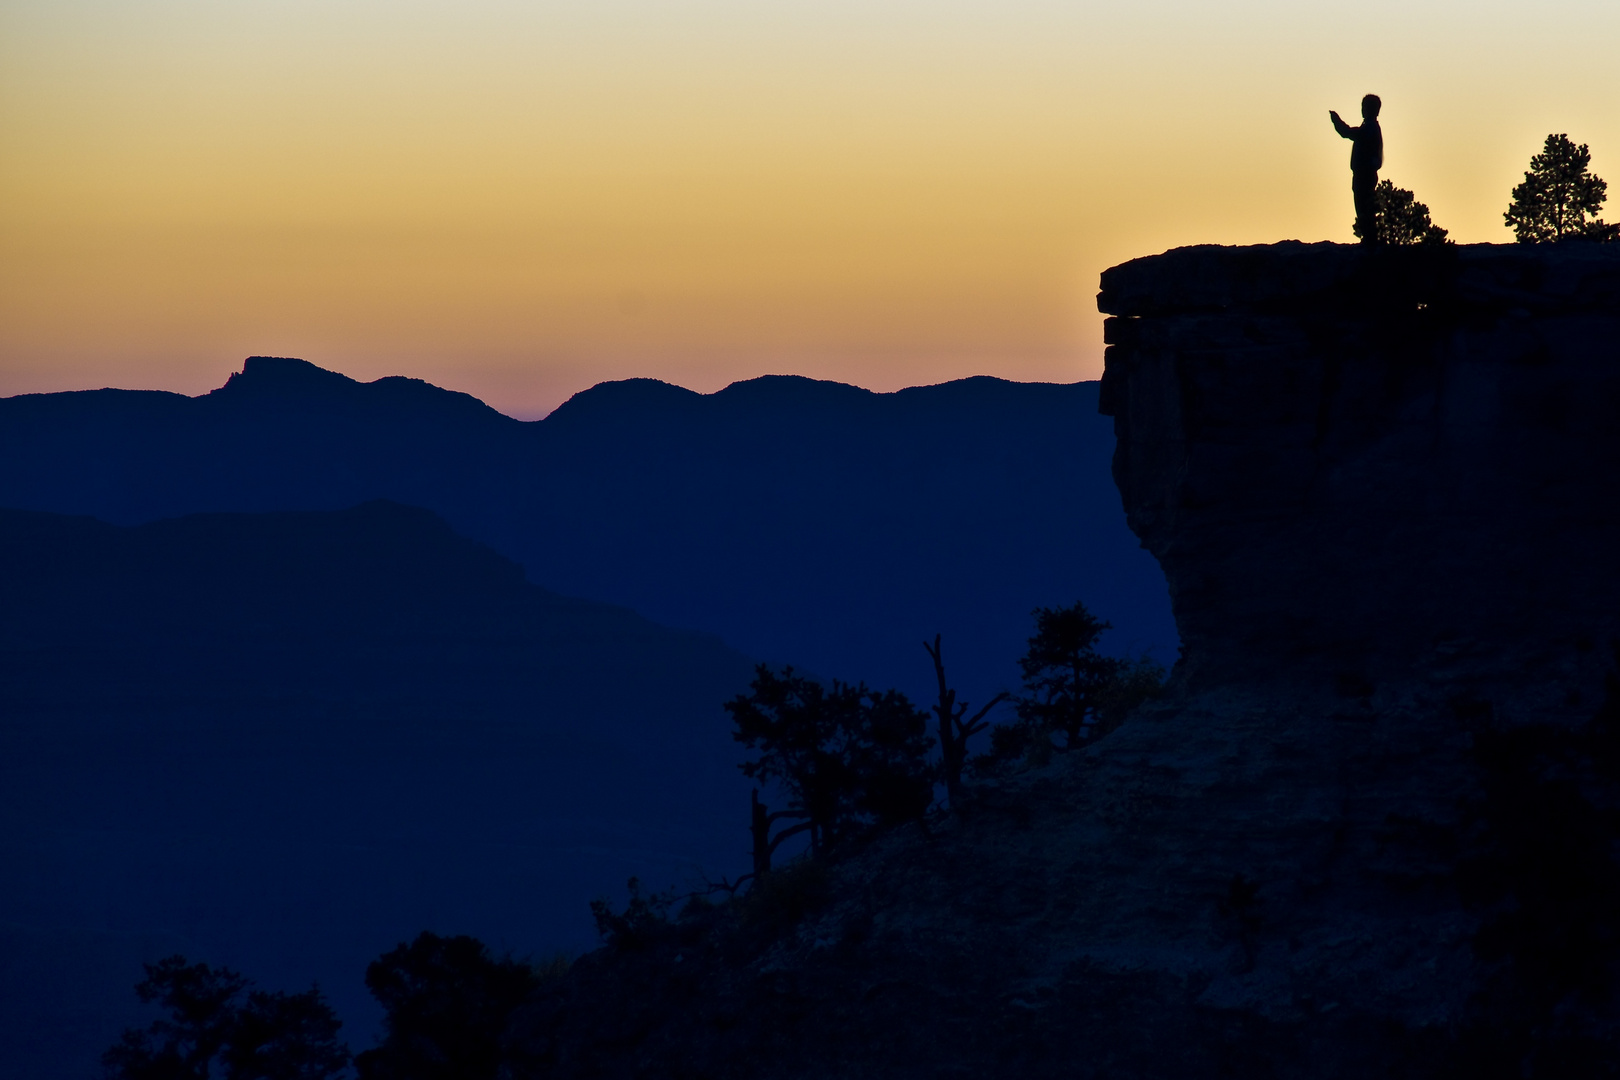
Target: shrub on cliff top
x=1402 y=219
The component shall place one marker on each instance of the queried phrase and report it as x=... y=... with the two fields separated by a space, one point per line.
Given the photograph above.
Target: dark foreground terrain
x=1372 y=828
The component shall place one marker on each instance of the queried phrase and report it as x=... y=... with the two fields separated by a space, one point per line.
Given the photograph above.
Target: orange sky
x=522 y=199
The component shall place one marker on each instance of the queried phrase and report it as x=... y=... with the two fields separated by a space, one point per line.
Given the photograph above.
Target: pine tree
x=1064 y=674
x=1559 y=198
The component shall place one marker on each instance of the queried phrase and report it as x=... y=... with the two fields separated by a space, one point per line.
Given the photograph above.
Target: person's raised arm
x=1340 y=126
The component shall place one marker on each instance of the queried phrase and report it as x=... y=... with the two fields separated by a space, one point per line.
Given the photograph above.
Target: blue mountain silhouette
x=287 y=742
x=261 y=709
x=802 y=521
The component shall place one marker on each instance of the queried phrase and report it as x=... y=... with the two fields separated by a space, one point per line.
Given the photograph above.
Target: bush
x=643 y=923
x=783 y=898
x=1135 y=682
x=447 y=1001
x=216 y=1021
x=1401 y=219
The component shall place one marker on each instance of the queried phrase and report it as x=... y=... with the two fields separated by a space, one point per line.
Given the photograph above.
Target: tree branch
x=979 y=723
x=776 y=841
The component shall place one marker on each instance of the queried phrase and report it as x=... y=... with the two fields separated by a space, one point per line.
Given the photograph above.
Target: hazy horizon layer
x=236 y=368
x=526 y=200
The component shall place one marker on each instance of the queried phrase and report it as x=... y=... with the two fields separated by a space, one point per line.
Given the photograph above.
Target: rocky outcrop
x=1371 y=828
x=1374 y=464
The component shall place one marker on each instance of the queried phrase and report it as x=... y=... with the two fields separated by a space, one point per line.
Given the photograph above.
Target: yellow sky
x=522 y=199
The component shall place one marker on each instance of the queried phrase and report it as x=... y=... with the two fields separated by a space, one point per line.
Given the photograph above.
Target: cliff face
x=1371 y=828
x=1373 y=466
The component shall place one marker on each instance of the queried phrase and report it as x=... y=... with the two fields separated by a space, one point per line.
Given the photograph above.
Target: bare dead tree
x=954 y=731
x=765 y=844
x=760 y=821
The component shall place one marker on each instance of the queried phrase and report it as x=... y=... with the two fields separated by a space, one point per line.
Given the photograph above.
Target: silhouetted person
x=1366 y=158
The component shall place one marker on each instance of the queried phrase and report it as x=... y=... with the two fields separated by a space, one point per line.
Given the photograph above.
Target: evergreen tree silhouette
x=1064 y=675
x=1559 y=198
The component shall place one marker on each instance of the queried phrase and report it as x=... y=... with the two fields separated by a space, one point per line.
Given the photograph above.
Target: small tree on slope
x=1070 y=688
x=848 y=756
x=1064 y=674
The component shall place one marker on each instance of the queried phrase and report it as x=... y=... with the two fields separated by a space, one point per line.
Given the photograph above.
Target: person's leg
x=1366 y=208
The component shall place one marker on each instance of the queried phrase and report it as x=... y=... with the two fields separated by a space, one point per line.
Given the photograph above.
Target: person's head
x=1370 y=106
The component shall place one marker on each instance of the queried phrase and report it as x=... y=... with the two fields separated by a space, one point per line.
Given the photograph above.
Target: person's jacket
x=1366 y=145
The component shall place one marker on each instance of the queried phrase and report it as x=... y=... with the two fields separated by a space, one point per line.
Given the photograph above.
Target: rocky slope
x=1372 y=828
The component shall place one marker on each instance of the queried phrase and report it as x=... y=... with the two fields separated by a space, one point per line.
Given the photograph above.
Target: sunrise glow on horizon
x=521 y=200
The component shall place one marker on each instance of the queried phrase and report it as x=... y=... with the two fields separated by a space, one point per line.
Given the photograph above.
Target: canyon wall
x=1374 y=465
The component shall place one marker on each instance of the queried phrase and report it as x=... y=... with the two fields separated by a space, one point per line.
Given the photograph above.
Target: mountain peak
x=283 y=374
x=792 y=389
x=621 y=400
x=291 y=381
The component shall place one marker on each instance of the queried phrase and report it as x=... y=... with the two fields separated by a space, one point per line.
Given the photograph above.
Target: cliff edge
x=1371 y=828
x=1385 y=465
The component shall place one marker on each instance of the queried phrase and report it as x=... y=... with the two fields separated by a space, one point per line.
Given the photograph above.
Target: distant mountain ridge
x=803 y=521
x=252 y=713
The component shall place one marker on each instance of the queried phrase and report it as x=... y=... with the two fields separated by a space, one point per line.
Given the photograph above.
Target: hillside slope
x=287 y=742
